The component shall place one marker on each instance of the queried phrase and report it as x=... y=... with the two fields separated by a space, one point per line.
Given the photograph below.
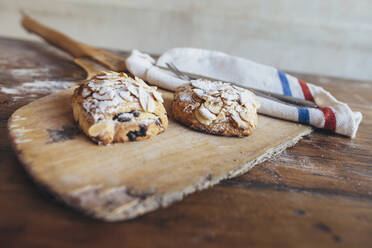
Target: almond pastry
x=216 y=107
x=112 y=107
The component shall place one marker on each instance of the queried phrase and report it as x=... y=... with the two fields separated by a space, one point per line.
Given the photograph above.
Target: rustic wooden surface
x=122 y=181
x=318 y=193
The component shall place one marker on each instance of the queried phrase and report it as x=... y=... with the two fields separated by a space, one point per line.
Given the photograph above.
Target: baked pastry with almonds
x=216 y=107
x=112 y=107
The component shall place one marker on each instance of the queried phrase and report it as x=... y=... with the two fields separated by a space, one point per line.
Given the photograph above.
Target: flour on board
x=37 y=87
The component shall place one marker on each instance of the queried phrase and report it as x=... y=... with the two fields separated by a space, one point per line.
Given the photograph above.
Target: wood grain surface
x=122 y=181
x=316 y=194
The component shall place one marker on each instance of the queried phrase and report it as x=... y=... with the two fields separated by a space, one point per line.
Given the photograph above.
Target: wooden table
x=316 y=194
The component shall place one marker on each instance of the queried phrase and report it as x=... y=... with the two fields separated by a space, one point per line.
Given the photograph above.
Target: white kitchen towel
x=332 y=114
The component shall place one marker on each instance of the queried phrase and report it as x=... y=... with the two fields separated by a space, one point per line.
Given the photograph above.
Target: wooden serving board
x=122 y=181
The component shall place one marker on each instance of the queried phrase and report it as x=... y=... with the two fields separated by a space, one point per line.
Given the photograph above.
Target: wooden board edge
x=141 y=204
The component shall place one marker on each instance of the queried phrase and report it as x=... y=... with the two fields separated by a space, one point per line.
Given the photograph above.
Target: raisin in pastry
x=216 y=107
x=112 y=107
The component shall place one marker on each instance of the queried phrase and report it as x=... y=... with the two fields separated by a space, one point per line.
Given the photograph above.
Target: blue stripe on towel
x=285 y=85
x=303 y=116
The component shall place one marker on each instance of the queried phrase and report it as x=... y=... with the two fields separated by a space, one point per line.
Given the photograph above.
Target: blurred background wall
x=328 y=37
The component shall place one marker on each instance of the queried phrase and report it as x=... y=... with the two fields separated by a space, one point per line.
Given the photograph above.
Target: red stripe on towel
x=330 y=119
x=305 y=89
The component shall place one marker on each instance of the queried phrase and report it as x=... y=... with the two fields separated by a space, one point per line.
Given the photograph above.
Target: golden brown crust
x=216 y=108
x=112 y=107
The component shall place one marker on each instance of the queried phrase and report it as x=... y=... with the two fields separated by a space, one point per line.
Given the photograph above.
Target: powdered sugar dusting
x=186 y=95
x=220 y=102
x=107 y=91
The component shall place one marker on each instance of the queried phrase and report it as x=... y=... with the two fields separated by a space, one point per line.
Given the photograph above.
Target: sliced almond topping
x=107 y=96
x=226 y=96
x=104 y=77
x=126 y=95
x=245 y=115
x=201 y=119
x=213 y=93
x=230 y=95
x=104 y=91
x=204 y=116
x=143 y=98
x=136 y=83
x=86 y=92
x=157 y=96
x=94 y=85
x=151 y=105
x=239 y=122
x=215 y=107
x=139 y=82
x=200 y=93
x=206 y=113
x=214 y=99
x=132 y=90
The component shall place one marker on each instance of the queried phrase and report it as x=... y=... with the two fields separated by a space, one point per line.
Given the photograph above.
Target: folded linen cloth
x=332 y=114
